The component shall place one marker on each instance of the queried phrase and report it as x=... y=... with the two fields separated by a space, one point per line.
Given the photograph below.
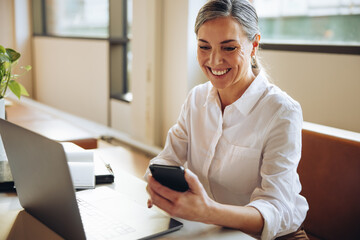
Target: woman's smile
x=219 y=72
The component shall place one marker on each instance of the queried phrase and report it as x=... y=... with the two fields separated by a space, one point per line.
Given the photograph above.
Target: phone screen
x=170 y=176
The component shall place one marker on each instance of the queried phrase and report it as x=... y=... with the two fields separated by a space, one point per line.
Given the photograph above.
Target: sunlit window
x=317 y=22
x=92 y=19
x=84 y=18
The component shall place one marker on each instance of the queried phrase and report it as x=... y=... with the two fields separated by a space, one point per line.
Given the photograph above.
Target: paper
x=82 y=174
x=82 y=170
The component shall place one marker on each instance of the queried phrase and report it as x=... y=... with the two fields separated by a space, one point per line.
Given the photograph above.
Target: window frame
x=326 y=47
x=40 y=29
x=314 y=48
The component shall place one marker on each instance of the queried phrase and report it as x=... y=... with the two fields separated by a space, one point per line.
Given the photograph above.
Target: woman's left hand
x=192 y=205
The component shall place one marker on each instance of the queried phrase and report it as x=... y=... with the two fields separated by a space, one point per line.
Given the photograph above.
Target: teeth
x=219 y=73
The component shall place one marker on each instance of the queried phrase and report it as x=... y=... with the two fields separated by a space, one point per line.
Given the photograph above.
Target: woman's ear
x=255 y=44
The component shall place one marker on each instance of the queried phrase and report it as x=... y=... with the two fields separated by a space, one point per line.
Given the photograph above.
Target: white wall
x=121 y=116
x=175 y=67
x=7 y=24
x=326 y=85
x=195 y=74
x=164 y=68
x=16 y=33
x=72 y=75
x=143 y=112
x=180 y=68
x=23 y=33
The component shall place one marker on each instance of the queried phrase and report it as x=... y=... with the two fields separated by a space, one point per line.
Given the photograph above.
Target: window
x=92 y=19
x=120 y=50
x=325 y=25
x=71 y=18
x=85 y=18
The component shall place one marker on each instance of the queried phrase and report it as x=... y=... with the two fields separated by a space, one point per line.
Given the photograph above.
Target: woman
x=238 y=135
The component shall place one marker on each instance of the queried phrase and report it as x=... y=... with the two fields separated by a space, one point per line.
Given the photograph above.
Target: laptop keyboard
x=98 y=225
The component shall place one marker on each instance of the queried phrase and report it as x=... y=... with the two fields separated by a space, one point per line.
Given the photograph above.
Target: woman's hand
x=193 y=204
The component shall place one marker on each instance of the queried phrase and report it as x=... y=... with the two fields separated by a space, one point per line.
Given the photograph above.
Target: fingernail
x=149 y=204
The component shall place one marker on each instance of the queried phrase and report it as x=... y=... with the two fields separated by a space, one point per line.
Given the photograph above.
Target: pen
x=109 y=167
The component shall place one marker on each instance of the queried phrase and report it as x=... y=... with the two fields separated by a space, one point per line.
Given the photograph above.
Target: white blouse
x=246 y=156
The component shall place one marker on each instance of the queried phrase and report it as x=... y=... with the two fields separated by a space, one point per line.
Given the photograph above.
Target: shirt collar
x=250 y=97
x=252 y=94
x=212 y=96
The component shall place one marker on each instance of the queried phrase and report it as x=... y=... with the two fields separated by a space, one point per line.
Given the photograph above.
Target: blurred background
x=129 y=64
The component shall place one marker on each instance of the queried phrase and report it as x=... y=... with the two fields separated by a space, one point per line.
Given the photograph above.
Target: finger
x=193 y=181
x=147 y=187
x=148 y=176
x=163 y=191
x=160 y=202
x=149 y=203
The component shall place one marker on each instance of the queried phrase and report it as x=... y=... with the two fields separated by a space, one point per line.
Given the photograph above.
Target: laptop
x=45 y=190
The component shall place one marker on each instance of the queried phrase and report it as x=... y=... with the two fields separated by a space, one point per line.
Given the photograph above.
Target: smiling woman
x=238 y=135
x=224 y=54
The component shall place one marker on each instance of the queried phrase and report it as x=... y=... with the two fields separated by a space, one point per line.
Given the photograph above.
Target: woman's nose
x=215 y=58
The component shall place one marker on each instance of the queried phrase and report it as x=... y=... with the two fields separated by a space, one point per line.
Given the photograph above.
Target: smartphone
x=170 y=176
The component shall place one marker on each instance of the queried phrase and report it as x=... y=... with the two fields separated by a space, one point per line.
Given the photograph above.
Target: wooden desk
x=48 y=125
x=15 y=223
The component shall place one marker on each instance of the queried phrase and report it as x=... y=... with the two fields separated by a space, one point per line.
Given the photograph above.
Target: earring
x=254 y=63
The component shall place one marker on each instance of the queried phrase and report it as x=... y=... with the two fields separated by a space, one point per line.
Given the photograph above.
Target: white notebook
x=81 y=165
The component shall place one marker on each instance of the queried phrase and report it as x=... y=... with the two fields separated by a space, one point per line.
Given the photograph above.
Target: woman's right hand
x=192 y=205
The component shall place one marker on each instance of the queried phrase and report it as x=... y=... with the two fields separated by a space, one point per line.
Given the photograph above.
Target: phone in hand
x=170 y=176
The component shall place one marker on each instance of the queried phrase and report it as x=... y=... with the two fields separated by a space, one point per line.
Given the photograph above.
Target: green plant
x=8 y=60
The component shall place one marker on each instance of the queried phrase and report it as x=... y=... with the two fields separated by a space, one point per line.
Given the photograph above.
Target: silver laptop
x=45 y=190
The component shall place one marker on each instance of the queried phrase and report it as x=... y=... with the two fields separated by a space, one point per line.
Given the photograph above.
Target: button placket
x=211 y=153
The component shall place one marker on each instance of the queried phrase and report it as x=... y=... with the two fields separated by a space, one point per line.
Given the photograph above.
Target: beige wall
x=72 y=75
x=141 y=117
x=7 y=24
x=16 y=33
x=326 y=85
x=175 y=68
x=164 y=68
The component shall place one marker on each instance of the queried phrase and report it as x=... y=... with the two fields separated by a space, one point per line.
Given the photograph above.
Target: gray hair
x=241 y=10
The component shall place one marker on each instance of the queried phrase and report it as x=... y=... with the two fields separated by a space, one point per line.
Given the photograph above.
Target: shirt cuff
x=271 y=218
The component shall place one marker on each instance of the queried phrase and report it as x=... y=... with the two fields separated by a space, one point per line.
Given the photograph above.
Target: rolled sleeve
x=278 y=196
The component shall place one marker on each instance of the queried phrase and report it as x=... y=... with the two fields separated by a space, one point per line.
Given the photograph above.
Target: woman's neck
x=232 y=93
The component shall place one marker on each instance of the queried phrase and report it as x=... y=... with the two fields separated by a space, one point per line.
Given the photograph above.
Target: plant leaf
x=4 y=58
x=27 y=68
x=23 y=90
x=13 y=55
x=2 y=49
x=15 y=76
x=6 y=65
x=2 y=67
x=15 y=88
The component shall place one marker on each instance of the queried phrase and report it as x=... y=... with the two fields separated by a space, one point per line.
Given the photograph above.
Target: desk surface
x=15 y=223
x=49 y=125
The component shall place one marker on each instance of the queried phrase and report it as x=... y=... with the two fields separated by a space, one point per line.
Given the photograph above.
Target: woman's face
x=224 y=54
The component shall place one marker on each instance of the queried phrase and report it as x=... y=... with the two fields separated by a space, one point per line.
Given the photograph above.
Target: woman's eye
x=229 y=48
x=204 y=47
